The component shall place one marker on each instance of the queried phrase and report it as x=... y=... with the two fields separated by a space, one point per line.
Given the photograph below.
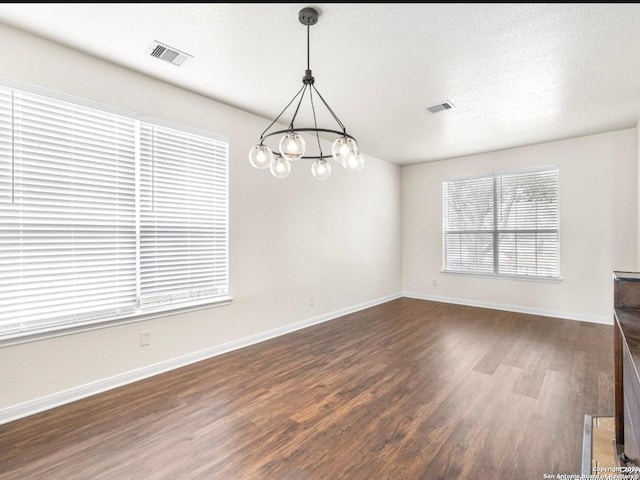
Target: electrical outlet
x=435 y=283
x=145 y=338
x=312 y=300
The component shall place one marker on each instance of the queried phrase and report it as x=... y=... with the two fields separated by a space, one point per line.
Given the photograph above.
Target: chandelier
x=292 y=145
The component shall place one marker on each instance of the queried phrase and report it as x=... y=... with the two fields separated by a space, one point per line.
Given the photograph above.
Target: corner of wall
x=638 y=194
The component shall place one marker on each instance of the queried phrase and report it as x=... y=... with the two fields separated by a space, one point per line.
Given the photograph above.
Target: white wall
x=598 y=227
x=337 y=240
x=638 y=196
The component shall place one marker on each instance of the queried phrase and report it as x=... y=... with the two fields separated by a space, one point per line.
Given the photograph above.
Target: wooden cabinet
x=627 y=362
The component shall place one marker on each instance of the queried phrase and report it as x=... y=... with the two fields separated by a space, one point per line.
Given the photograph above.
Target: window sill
x=498 y=276
x=147 y=314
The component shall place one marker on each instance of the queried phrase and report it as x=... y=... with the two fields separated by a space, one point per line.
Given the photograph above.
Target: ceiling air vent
x=168 y=54
x=439 y=107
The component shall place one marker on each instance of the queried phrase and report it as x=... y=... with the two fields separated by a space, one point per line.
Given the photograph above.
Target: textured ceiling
x=517 y=73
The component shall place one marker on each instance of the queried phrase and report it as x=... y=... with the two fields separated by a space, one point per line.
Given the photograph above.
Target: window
x=183 y=216
x=104 y=215
x=502 y=224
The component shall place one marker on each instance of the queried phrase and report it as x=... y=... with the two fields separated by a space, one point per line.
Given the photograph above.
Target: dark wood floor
x=406 y=390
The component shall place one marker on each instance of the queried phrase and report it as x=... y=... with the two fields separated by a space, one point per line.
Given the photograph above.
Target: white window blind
x=103 y=214
x=67 y=233
x=6 y=146
x=183 y=223
x=503 y=224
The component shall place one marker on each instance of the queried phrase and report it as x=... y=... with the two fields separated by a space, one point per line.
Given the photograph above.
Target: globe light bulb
x=321 y=169
x=292 y=146
x=280 y=167
x=354 y=163
x=260 y=156
x=342 y=148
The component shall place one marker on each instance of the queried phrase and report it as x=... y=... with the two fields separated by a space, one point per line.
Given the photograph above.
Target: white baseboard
x=513 y=308
x=38 y=405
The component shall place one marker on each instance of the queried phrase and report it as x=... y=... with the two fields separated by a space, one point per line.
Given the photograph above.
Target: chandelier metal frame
x=343 y=147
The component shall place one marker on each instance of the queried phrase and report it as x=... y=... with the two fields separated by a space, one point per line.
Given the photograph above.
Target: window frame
x=142 y=312
x=495 y=232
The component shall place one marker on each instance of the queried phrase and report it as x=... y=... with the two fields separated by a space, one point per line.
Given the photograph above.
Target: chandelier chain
x=344 y=129
x=295 y=114
x=280 y=114
x=315 y=121
x=308 y=50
